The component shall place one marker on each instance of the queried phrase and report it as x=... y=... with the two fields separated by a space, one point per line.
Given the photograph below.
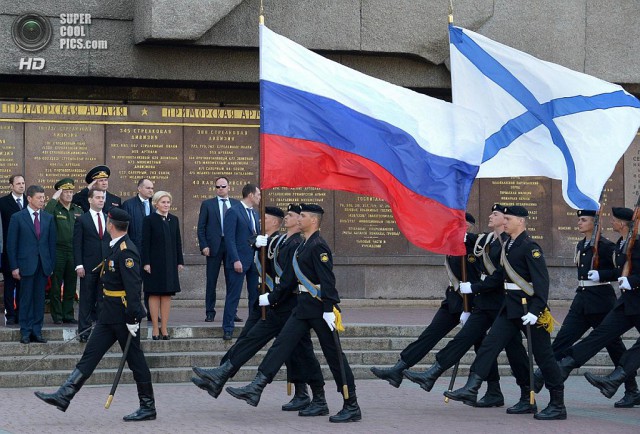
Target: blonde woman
x=162 y=260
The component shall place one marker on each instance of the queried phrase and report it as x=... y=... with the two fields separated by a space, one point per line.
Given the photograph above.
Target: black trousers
x=502 y=332
x=614 y=325
x=302 y=365
x=293 y=331
x=89 y=298
x=443 y=322
x=473 y=334
x=102 y=338
x=10 y=285
x=213 y=271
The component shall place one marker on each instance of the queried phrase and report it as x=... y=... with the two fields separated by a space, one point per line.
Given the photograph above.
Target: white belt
x=301 y=288
x=277 y=280
x=483 y=276
x=513 y=286
x=592 y=283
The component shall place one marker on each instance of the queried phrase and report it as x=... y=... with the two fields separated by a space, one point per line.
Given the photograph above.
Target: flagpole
x=450 y=11
x=263 y=250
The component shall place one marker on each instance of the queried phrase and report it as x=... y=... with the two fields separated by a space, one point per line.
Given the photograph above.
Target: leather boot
x=425 y=379
x=66 y=392
x=493 y=397
x=469 y=393
x=350 y=411
x=251 y=392
x=608 y=384
x=567 y=365
x=556 y=409
x=538 y=381
x=300 y=398
x=524 y=405
x=392 y=375
x=631 y=396
x=147 y=410
x=214 y=379
x=318 y=406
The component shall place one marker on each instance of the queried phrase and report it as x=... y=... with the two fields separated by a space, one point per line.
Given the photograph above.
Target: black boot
x=392 y=375
x=608 y=384
x=556 y=409
x=147 y=410
x=567 y=365
x=250 y=393
x=469 y=393
x=66 y=392
x=350 y=411
x=538 y=381
x=524 y=405
x=425 y=379
x=631 y=396
x=300 y=398
x=318 y=406
x=493 y=397
x=214 y=379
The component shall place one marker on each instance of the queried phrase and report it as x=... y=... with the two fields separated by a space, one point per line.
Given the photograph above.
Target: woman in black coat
x=162 y=260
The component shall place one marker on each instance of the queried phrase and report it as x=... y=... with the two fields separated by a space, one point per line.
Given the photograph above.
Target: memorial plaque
x=11 y=152
x=228 y=146
x=632 y=173
x=534 y=193
x=57 y=150
x=365 y=226
x=146 y=149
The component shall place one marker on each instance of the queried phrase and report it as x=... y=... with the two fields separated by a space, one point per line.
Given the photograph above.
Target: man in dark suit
x=138 y=207
x=31 y=247
x=90 y=238
x=241 y=226
x=211 y=240
x=9 y=205
x=98 y=179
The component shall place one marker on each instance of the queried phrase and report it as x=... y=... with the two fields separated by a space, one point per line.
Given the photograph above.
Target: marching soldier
x=525 y=275
x=120 y=315
x=594 y=299
x=448 y=316
x=487 y=303
x=317 y=300
x=98 y=179
x=64 y=214
x=302 y=367
x=624 y=316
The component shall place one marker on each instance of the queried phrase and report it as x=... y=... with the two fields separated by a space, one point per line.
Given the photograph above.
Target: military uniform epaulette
x=123 y=245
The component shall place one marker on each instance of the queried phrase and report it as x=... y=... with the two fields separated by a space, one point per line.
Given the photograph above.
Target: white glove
x=464 y=317
x=465 y=288
x=133 y=329
x=330 y=319
x=261 y=240
x=529 y=319
x=623 y=282
x=593 y=275
x=263 y=300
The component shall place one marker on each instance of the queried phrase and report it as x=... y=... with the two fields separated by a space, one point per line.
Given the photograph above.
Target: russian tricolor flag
x=325 y=125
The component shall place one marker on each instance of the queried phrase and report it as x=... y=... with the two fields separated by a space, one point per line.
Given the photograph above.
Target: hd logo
x=31 y=32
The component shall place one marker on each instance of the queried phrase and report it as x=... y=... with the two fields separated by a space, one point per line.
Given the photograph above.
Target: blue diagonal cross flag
x=542 y=119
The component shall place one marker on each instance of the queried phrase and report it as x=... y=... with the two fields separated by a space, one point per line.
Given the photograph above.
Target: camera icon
x=31 y=31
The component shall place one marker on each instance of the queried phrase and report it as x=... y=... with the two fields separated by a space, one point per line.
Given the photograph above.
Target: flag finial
x=450 y=11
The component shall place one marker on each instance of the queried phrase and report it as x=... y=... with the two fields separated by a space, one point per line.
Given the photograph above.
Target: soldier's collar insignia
x=324 y=257
x=536 y=253
x=471 y=258
x=128 y=263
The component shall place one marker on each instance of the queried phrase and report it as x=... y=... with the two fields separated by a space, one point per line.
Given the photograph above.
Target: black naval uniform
x=624 y=316
x=448 y=315
x=81 y=199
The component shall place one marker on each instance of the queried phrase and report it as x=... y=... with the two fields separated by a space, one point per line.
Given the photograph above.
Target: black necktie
x=19 y=202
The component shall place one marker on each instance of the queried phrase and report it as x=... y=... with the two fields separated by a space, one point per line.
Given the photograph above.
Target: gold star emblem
x=144 y=112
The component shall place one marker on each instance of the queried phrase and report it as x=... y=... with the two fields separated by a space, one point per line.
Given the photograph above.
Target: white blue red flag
x=542 y=119
x=325 y=125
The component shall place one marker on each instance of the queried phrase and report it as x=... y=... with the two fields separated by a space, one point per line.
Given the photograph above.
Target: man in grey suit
x=211 y=240
x=31 y=247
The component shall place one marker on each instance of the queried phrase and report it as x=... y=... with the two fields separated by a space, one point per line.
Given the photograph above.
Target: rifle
x=631 y=239
x=595 y=240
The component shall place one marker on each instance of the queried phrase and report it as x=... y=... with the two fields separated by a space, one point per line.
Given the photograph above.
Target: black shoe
x=609 y=384
x=393 y=375
x=350 y=412
x=66 y=392
x=493 y=397
x=237 y=319
x=165 y=337
x=318 y=405
x=300 y=398
x=70 y=321
x=210 y=317
x=556 y=409
x=469 y=393
x=155 y=338
x=629 y=400
x=207 y=386
x=38 y=339
x=250 y=393
x=524 y=405
x=57 y=321
x=25 y=340
x=214 y=379
x=147 y=410
x=425 y=379
x=227 y=336
x=83 y=339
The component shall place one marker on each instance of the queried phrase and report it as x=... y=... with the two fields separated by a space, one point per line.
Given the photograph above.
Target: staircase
x=171 y=361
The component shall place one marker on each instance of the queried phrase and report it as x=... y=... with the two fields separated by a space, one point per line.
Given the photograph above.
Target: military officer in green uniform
x=64 y=215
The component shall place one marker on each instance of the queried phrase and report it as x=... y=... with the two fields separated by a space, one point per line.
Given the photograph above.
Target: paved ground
x=184 y=409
